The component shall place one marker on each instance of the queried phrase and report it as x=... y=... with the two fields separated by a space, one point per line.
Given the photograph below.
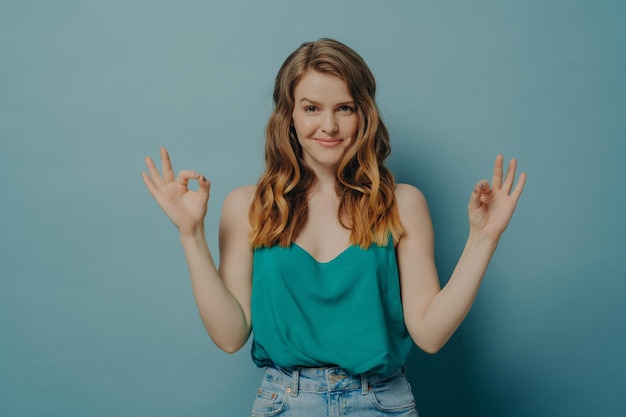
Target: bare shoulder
x=409 y=198
x=413 y=210
x=240 y=196
x=237 y=204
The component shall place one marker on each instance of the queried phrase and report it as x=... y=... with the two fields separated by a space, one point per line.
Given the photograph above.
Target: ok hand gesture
x=491 y=208
x=185 y=208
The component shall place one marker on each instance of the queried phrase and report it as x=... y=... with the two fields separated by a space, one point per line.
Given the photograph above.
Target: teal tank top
x=345 y=313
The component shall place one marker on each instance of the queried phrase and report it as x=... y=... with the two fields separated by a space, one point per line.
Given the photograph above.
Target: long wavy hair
x=365 y=186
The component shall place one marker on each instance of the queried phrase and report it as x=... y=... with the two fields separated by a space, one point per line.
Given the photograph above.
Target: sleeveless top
x=346 y=312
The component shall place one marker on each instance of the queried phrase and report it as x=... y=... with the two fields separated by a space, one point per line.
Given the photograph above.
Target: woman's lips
x=328 y=143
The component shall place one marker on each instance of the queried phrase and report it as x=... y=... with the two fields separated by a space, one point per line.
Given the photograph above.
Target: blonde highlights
x=365 y=186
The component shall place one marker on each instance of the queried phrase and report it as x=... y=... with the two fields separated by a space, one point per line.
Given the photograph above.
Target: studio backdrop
x=97 y=316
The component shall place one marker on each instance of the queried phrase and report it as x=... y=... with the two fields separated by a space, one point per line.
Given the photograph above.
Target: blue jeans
x=332 y=392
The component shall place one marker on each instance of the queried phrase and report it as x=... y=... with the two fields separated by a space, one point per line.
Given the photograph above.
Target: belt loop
x=295 y=377
x=364 y=384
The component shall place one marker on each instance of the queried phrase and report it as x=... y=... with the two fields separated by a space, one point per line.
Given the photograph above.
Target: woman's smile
x=328 y=143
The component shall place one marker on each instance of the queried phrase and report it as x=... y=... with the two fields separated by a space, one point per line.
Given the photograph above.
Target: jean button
x=335 y=378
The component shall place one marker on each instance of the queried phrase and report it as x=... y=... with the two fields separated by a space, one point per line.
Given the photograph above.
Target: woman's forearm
x=451 y=305
x=221 y=313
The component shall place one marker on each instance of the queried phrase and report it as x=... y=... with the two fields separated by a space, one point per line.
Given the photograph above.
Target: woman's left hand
x=491 y=208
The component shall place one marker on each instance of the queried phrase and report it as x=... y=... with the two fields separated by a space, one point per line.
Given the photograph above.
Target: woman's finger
x=519 y=187
x=475 y=200
x=152 y=188
x=497 y=172
x=154 y=172
x=510 y=175
x=204 y=185
x=166 y=165
x=185 y=175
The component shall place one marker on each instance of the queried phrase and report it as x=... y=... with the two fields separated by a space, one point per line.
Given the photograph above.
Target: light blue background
x=96 y=312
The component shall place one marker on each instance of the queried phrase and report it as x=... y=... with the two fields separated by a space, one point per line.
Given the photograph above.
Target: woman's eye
x=310 y=109
x=346 y=109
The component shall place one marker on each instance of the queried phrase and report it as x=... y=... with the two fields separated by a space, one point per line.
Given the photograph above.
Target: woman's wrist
x=478 y=239
x=195 y=234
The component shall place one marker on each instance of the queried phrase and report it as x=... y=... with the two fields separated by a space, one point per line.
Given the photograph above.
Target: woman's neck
x=326 y=183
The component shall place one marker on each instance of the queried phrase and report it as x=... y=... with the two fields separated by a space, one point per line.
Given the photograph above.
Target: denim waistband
x=323 y=379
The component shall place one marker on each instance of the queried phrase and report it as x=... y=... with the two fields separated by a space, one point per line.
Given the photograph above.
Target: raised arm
x=222 y=297
x=433 y=314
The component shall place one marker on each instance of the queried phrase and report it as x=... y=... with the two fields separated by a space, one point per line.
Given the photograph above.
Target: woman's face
x=325 y=119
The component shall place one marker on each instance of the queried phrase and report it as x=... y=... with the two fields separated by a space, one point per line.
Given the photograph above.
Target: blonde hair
x=365 y=186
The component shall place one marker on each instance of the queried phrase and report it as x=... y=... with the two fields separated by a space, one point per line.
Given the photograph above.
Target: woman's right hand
x=185 y=208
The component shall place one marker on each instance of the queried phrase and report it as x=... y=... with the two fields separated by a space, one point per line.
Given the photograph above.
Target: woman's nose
x=329 y=123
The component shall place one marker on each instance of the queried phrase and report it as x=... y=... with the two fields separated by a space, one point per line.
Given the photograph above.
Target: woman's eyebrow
x=351 y=102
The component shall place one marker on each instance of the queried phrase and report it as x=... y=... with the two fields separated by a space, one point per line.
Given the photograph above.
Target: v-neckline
x=336 y=257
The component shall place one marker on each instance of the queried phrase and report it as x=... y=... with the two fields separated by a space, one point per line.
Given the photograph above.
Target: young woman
x=327 y=259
